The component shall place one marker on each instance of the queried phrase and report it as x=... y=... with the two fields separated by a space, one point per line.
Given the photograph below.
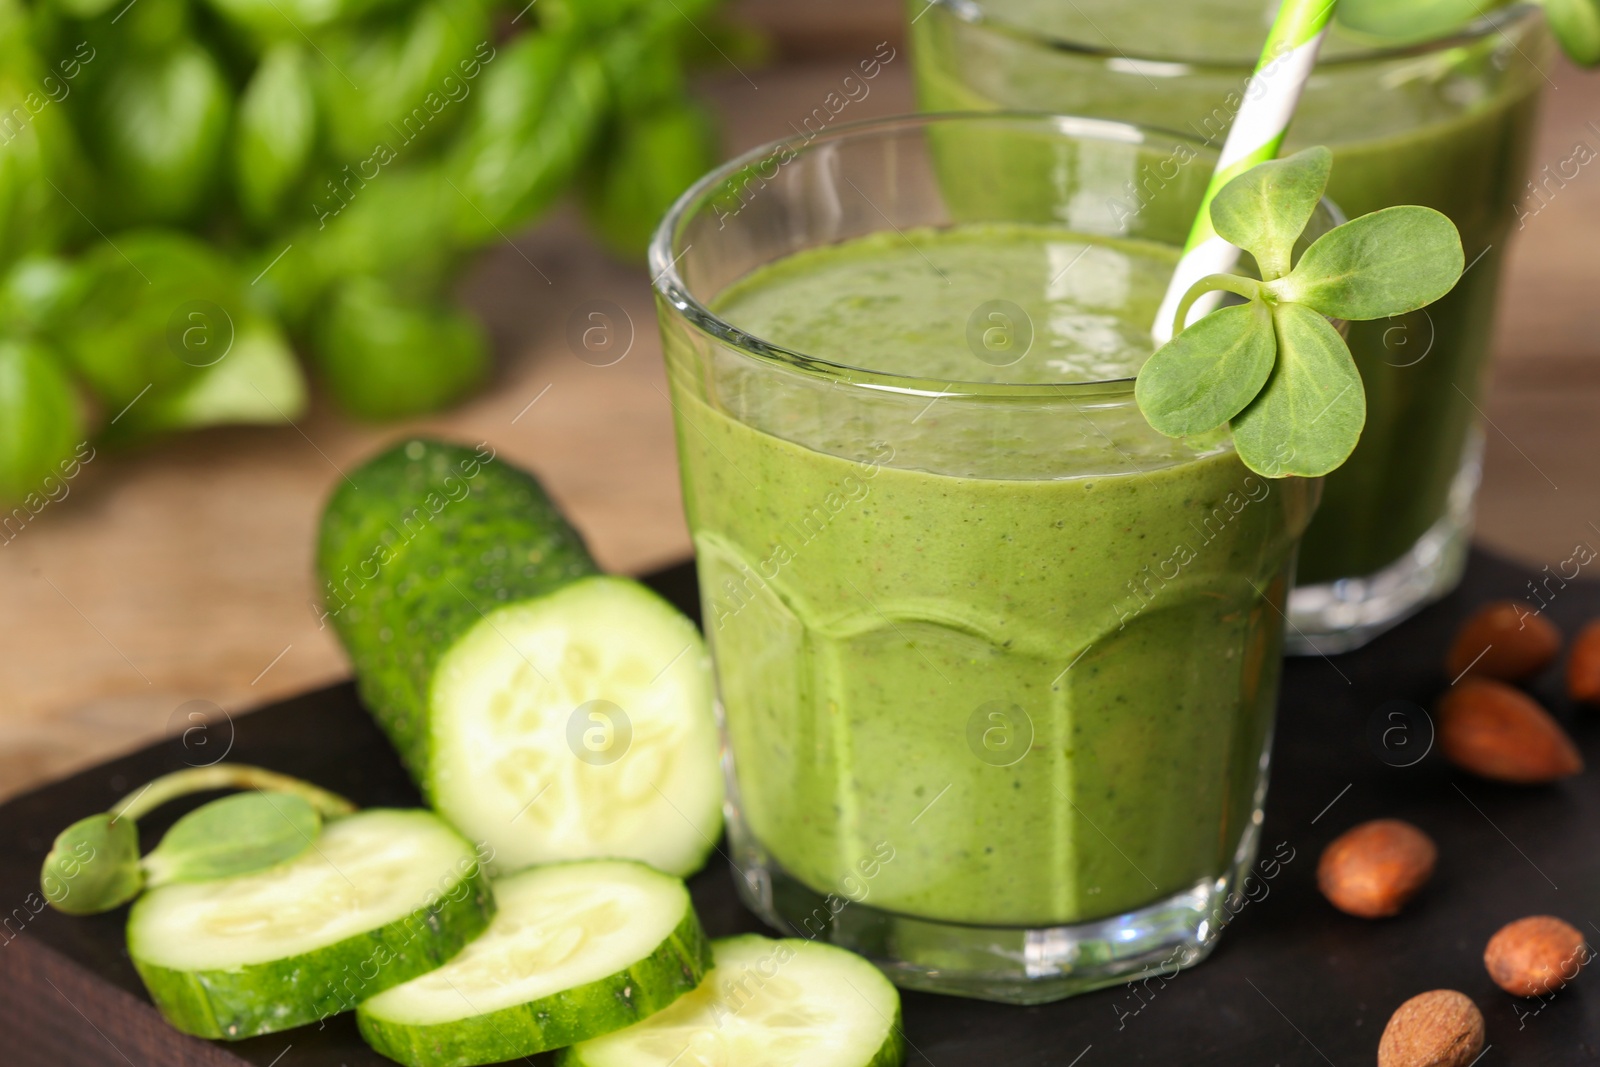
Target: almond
x=1583 y=669
x=1438 y=1029
x=1498 y=732
x=1532 y=956
x=1372 y=870
x=1503 y=640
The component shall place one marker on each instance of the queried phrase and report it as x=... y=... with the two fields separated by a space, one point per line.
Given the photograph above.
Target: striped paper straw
x=1270 y=98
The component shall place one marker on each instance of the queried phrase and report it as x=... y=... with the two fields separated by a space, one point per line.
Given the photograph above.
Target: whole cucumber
x=420 y=539
x=544 y=708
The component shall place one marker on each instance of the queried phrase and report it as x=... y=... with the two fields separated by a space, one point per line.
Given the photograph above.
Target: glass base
x=1009 y=965
x=1342 y=616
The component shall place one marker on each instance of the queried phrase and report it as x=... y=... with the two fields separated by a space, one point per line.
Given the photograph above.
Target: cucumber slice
x=767 y=1003
x=547 y=710
x=555 y=739
x=576 y=950
x=381 y=897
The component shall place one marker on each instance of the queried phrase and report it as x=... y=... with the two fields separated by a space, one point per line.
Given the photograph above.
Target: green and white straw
x=1269 y=102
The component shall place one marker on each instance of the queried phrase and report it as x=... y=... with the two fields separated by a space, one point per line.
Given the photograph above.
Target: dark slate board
x=1294 y=982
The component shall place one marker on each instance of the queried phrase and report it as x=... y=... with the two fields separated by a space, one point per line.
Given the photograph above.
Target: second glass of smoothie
x=997 y=662
x=1444 y=123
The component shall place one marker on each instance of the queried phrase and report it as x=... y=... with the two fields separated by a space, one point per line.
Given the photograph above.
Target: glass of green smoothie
x=1445 y=124
x=997 y=662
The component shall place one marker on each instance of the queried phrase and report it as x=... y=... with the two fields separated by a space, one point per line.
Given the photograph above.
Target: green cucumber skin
x=676 y=967
x=893 y=1052
x=434 y=533
x=267 y=997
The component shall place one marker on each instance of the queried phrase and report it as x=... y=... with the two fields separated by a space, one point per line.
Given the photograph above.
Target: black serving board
x=1293 y=982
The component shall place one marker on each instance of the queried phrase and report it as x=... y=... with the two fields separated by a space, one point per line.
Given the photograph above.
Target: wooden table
x=182 y=571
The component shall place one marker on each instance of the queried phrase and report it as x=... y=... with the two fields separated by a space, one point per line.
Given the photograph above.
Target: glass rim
x=978 y=13
x=670 y=286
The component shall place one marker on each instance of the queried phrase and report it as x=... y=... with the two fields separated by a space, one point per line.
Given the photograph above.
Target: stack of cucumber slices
x=560 y=718
x=389 y=913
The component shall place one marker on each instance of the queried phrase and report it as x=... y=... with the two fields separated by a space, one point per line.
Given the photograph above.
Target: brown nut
x=1533 y=956
x=1498 y=732
x=1438 y=1029
x=1503 y=640
x=1583 y=666
x=1372 y=870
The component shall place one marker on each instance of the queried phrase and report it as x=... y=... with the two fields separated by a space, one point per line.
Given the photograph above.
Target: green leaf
x=86 y=9
x=1266 y=209
x=399 y=229
x=165 y=332
x=291 y=20
x=642 y=63
x=40 y=422
x=137 y=298
x=148 y=27
x=591 y=15
x=385 y=357
x=1208 y=373
x=1309 y=417
x=275 y=132
x=1576 y=24
x=235 y=835
x=1386 y=263
x=93 y=866
x=37 y=142
x=538 y=110
x=258 y=381
x=648 y=163
x=398 y=83
x=35 y=292
x=162 y=127
x=1405 y=21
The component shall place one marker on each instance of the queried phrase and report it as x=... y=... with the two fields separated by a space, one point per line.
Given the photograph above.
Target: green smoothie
x=1447 y=128
x=1010 y=701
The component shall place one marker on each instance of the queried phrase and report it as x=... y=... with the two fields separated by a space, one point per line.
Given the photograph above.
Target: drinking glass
x=1446 y=124
x=996 y=662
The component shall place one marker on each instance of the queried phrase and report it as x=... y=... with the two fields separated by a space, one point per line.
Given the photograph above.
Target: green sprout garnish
x=94 y=864
x=1274 y=367
x=1576 y=23
x=235 y=835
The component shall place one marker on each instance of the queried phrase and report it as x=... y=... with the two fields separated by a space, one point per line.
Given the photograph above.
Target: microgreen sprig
x=1274 y=367
x=94 y=864
x=1576 y=23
